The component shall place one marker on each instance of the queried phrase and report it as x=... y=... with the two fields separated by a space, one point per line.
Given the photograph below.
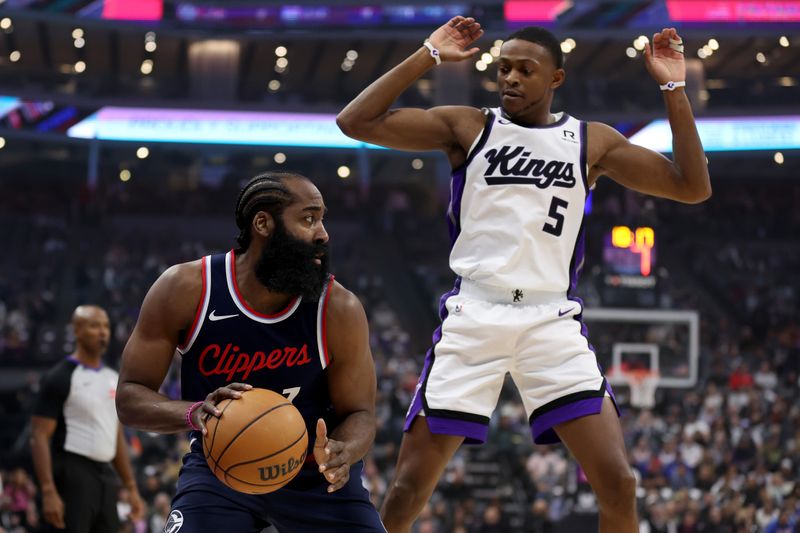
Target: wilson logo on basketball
x=269 y=473
x=228 y=362
x=513 y=165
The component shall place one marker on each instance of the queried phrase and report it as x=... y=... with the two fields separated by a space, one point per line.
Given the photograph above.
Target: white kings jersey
x=517 y=204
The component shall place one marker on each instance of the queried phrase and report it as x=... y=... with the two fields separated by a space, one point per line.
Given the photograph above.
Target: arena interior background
x=127 y=128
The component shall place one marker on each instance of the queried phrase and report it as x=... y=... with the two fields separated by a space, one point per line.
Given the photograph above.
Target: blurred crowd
x=721 y=457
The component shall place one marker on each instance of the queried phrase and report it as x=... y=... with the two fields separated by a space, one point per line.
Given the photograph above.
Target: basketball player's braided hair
x=265 y=192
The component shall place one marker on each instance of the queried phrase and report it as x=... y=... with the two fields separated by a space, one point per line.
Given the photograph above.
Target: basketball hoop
x=643 y=383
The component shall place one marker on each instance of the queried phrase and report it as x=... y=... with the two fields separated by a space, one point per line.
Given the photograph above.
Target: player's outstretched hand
x=209 y=408
x=453 y=38
x=665 y=61
x=333 y=458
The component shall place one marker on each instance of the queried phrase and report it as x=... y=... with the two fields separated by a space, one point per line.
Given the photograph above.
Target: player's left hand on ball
x=332 y=457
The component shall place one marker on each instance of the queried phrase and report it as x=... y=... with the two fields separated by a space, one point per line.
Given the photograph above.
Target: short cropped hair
x=542 y=37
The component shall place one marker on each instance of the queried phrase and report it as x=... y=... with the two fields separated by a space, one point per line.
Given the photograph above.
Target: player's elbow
x=705 y=194
x=123 y=404
x=353 y=125
x=691 y=188
x=347 y=123
x=698 y=194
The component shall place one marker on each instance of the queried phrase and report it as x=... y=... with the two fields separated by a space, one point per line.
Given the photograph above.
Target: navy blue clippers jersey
x=229 y=342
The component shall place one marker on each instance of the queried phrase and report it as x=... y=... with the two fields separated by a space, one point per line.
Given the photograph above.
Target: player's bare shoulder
x=343 y=305
x=183 y=279
x=347 y=326
x=175 y=294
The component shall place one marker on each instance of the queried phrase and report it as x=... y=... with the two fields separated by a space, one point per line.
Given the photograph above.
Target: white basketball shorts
x=486 y=332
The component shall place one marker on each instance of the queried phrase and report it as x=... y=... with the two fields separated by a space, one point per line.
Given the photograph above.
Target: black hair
x=542 y=37
x=265 y=192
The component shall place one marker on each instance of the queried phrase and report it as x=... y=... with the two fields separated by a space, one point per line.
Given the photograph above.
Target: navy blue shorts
x=202 y=503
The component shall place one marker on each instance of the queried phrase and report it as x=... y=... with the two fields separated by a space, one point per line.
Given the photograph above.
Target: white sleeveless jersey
x=517 y=205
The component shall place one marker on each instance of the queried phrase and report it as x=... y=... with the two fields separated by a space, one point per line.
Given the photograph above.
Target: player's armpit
x=641 y=169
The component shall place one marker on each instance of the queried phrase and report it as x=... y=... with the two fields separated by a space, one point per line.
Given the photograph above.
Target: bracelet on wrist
x=189 y=412
x=434 y=52
x=672 y=85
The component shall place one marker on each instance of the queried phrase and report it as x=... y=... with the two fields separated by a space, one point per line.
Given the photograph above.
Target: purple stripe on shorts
x=542 y=426
x=474 y=432
x=416 y=402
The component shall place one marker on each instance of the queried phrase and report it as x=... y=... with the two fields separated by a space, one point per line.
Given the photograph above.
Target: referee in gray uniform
x=76 y=435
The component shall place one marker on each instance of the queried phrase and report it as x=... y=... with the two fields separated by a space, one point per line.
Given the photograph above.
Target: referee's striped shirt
x=81 y=399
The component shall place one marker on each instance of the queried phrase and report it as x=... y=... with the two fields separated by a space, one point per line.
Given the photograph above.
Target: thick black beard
x=287 y=265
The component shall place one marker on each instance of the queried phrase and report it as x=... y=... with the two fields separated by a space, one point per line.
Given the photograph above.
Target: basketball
x=258 y=444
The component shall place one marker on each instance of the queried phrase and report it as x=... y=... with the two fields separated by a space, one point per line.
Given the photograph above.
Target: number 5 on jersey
x=555 y=228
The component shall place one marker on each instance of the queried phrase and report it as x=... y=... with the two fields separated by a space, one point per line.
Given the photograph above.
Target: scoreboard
x=629 y=254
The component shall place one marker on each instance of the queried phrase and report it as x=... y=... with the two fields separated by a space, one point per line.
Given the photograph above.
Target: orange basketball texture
x=258 y=444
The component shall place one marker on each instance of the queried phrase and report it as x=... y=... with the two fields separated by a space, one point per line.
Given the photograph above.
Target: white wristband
x=672 y=85
x=434 y=51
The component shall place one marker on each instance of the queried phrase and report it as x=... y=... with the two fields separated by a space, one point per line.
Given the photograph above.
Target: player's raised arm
x=352 y=385
x=369 y=118
x=684 y=178
x=167 y=313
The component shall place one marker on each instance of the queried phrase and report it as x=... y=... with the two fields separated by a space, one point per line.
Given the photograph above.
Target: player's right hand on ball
x=53 y=508
x=232 y=391
x=455 y=36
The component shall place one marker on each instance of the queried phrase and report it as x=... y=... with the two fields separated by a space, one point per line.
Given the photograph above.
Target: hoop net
x=642 y=383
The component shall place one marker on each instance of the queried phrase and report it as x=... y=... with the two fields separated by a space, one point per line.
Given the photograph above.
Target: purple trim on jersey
x=584 y=171
x=557 y=123
x=457 y=182
x=542 y=426
x=576 y=264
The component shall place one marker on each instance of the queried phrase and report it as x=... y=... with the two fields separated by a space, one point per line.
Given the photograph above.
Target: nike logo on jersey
x=513 y=165
x=562 y=313
x=213 y=317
